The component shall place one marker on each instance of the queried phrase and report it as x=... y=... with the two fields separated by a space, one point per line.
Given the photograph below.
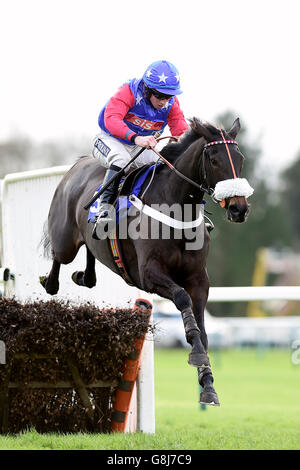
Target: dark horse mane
x=197 y=130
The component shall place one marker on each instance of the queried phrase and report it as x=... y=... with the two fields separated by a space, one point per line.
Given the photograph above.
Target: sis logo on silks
x=144 y=123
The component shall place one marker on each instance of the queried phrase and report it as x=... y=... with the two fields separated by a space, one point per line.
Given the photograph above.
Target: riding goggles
x=160 y=96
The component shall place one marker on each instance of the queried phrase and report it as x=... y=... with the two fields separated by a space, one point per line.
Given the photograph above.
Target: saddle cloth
x=123 y=203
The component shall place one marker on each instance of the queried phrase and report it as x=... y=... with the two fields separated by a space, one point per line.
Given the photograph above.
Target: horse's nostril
x=237 y=212
x=234 y=209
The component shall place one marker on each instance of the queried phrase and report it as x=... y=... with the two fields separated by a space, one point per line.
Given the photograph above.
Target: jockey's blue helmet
x=163 y=77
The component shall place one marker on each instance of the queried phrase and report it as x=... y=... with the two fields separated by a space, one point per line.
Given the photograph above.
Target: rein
x=208 y=190
x=178 y=173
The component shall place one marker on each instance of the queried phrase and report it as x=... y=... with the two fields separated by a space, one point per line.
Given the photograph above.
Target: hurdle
x=26 y=197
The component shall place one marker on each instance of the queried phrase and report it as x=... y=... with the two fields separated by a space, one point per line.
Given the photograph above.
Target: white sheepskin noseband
x=232 y=187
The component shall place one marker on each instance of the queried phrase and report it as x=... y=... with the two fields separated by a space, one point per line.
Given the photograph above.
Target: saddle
x=131 y=184
x=128 y=183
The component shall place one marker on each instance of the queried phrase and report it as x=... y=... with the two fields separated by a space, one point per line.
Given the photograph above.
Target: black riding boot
x=107 y=198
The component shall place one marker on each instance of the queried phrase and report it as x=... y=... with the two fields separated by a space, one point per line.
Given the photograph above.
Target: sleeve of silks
x=176 y=120
x=116 y=109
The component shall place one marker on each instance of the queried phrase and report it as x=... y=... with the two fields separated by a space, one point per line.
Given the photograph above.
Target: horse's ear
x=235 y=129
x=199 y=128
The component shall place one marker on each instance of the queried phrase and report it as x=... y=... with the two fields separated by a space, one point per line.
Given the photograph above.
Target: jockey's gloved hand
x=145 y=141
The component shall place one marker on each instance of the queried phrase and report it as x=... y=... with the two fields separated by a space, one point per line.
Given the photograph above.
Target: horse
x=203 y=157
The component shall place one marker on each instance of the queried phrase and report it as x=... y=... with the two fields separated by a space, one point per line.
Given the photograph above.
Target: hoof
x=52 y=290
x=198 y=360
x=43 y=280
x=78 y=278
x=209 y=398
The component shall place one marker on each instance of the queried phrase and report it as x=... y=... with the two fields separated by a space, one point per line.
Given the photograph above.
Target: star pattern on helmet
x=162 y=77
x=177 y=77
x=138 y=99
x=148 y=73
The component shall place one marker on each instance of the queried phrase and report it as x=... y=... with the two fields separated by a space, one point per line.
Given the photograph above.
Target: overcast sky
x=62 y=59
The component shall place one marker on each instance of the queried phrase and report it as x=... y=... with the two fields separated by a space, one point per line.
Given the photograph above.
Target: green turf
x=260 y=407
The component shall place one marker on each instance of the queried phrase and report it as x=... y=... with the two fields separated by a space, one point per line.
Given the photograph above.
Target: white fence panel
x=26 y=199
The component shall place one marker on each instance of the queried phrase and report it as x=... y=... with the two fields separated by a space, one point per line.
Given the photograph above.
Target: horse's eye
x=214 y=162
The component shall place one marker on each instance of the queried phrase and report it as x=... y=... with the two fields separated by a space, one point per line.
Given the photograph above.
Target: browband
x=216 y=142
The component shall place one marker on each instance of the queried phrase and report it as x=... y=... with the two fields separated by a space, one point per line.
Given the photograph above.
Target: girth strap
x=117 y=258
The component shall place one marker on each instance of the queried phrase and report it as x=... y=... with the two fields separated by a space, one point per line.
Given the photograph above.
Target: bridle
x=205 y=186
x=205 y=157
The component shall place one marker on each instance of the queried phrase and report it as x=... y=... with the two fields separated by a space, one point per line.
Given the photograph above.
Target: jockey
x=140 y=109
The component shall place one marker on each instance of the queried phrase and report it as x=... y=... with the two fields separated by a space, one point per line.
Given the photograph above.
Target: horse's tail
x=45 y=242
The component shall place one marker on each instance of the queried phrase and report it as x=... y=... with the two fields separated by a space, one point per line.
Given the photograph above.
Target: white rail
x=33 y=174
x=245 y=294
x=236 y=294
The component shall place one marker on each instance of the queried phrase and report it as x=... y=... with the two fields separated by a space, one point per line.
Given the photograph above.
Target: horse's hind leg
x=64 y=247
x=86 y=278
x=50 y=282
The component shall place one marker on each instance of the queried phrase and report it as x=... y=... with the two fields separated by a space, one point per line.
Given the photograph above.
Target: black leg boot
x=107 y=198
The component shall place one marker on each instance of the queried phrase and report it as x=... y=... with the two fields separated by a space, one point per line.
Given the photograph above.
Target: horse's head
x=220 y=168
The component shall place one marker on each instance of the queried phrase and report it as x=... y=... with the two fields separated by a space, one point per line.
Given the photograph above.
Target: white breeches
x=110 y=151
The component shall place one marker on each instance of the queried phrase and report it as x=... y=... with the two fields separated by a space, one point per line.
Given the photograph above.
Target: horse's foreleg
x=158 y=281
x=86 y=278
x=50 y=282
x=198 y=356
x=198 y=290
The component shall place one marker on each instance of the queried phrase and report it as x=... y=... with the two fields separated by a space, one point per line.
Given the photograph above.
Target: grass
x=260 y=408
